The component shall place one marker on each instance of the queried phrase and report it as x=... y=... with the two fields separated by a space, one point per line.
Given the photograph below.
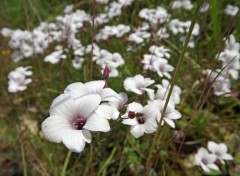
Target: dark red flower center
x=79 y=122
x=131 y=114
x=141 y=119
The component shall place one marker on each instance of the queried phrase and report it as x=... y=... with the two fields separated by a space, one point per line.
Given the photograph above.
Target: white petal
x=150 y=126
x=108 y=94
x=97 y=123
x=130 y=121
x=74 y=140
x=213 y=166
x=105 y=111
x=87 y=135
x=86 y=105
x=204 y=167
x=137 y=130
x=95 y=86
x=63 y=106
x=212 y=146
x=76 y=89
x=150 y=93
x=227 y=156
x=54 y=127
x=170 y=122
x=135 y=107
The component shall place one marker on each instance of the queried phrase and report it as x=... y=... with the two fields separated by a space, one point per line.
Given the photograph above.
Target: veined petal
x=105 y=111
x=63 y=106
x=95 y=86
x=87 y=104
x=108 y=94
x=77 y=89
x=97 y=123
x=54 y=127
x=74 y=140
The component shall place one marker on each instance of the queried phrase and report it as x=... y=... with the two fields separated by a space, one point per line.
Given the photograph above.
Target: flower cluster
x=230 y=58
x=182 y=4
x=18 y=80
x=208 y=160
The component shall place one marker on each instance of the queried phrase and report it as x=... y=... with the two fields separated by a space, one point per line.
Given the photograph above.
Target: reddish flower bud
x=106 y=84
x=131 y=114
x=106 y=72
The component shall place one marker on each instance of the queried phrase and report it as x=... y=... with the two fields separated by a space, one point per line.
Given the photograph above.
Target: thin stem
x=23 y=159
x=66 y=163
x=173 y=82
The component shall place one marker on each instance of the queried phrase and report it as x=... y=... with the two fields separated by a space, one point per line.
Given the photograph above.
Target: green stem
x=23 y=160
x=66 y=163
x=172 y=83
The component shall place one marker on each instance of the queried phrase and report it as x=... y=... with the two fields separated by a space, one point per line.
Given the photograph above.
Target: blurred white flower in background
x=182 y=4
x=18 y=80
x=137 y=84
x=231 y=10
x=205 y=160
x=219 y=150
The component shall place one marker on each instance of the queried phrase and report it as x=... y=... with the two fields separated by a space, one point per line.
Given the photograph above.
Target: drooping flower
x=205 y=160
x=137 y=84
x=220 y=151
x=142 y=119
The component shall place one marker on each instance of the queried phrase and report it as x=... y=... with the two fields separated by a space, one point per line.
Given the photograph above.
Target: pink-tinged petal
x=130 y=121
x=108 y=94
x=54 y=127
x=137 y=130
x=95 y=86
x=63 y=106
x=226 y=156
x=87 y=135
x=212 y=146
x=169 y=122
x=86 y=105
x=213 y=166
x=74 y=140
x=77 y=89
x=135 y=107
x=97 y=123
x=105 y=111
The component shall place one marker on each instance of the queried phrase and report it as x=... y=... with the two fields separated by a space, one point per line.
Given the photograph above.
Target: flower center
x=141 y=119
x=79 y=122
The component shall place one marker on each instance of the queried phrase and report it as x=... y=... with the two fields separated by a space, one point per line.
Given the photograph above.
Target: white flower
x=18 y=80
x=77 y=62
x=139 y=36
x=176 y=26
x=118 y=105
x=71 y=121
x=205 y=160
x=204 y=7
x=160 y=51
x=162 y=33
x=56 y=56
x=220 y=151
x=163 y=91
x=137 y=84
x=231 y=10
x=170 y=115
x=162 y=67
x=231 y=44
x=142 y=119
x=102 y=1
x=68 y=9
x=185 y=4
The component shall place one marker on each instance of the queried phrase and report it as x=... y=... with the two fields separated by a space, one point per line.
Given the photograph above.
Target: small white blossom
x=231 y=10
